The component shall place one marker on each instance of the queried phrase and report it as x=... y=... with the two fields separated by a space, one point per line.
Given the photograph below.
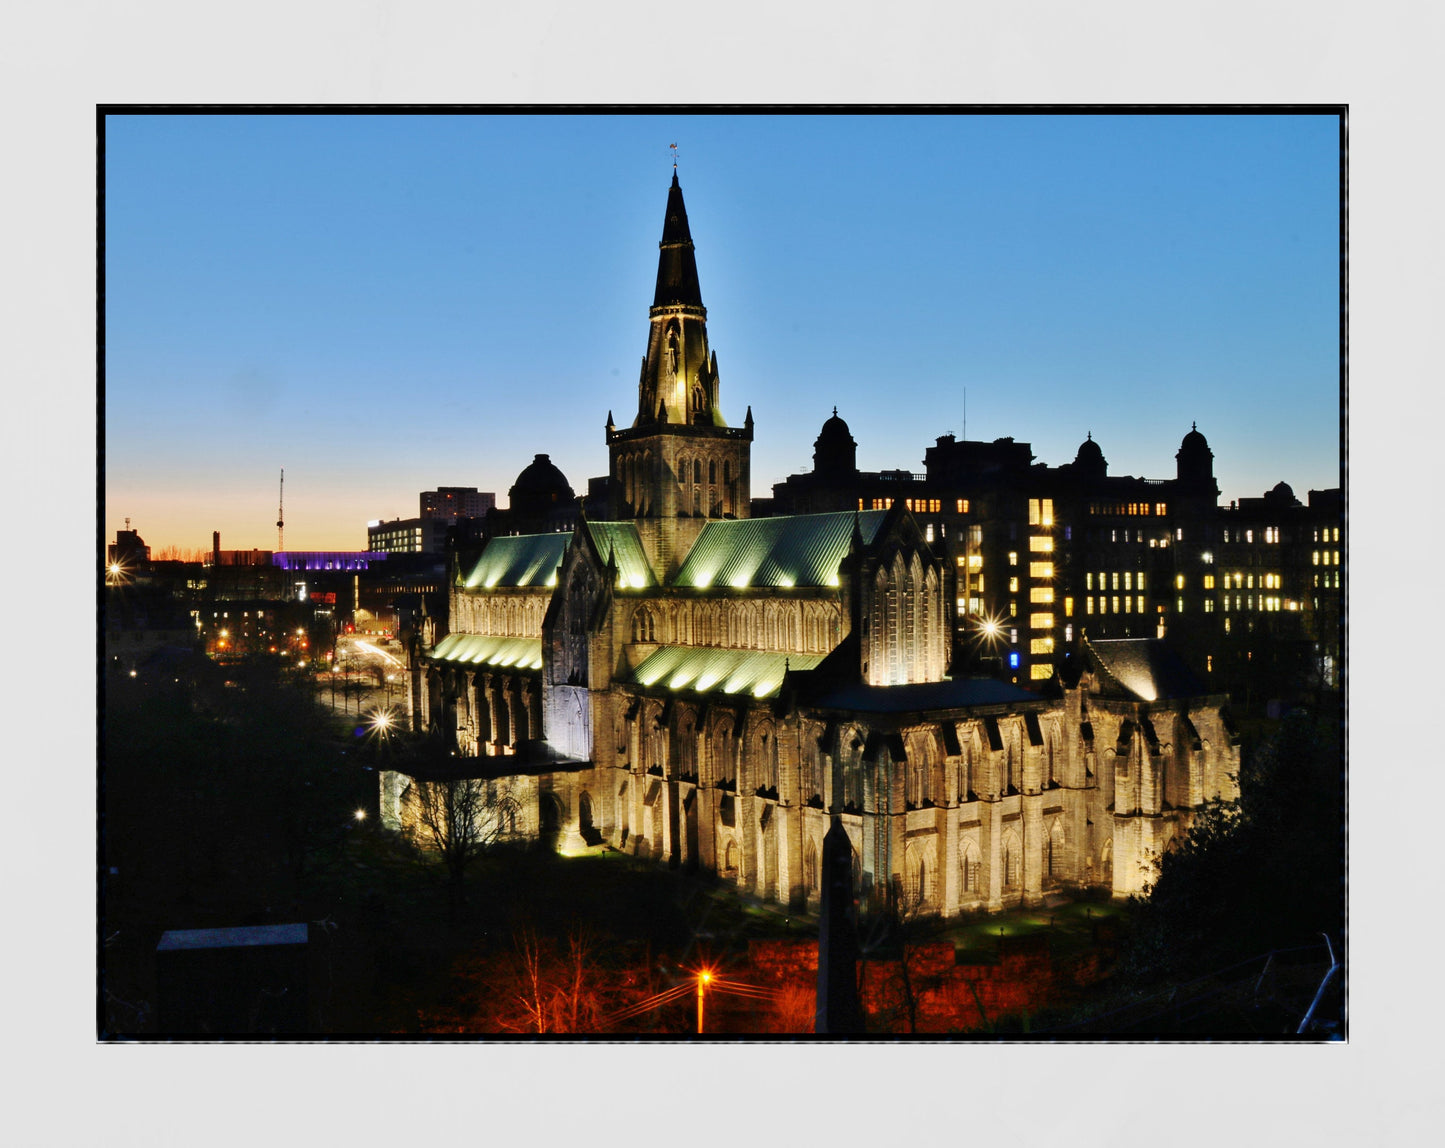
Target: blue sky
x=384 y=304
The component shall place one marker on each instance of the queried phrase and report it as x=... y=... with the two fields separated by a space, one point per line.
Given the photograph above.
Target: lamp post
x=703 y=979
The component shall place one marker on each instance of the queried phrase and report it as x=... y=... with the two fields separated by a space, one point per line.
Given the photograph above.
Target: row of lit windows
x=1269 y=603
x=1325 y=558
x=923 y=505
x=1111 y=509
x=1327 y=582
x=1128 y=605
x=1328 y=534
x=1041 y=512
x=1268 y=534
x=1109 y=580
x=1246 y=581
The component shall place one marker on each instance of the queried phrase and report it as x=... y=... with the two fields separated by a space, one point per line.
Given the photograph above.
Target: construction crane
x=280 y=514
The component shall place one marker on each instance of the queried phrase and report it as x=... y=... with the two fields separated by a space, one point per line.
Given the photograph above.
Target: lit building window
x=1041 y=646
x=1068 y=607
x=1013 y=609
x=1209 y=581
x=1088 y=605
x=1209 y=605
x=963 y=506
x=1114 y=577
x=1041 y=569
x=1041 y=671
x=1013 y=585
x=1068 y=633
x=1041 y=544
x=1089 y=580
x=1042 y=594
x=1128 y=580
x=1041 y=621
x=1161 y=509
x=1179 y=581
x=1116 y=603
x=1013 y=558
x=1141 y=603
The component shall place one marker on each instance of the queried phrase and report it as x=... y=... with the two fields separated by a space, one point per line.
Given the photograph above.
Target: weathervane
x=673 y=148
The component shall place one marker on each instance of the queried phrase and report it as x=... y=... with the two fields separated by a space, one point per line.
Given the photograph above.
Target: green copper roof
x=720 y=671
x=474 y=649
x=797 y=550
x=622 y=541
x=519 y=560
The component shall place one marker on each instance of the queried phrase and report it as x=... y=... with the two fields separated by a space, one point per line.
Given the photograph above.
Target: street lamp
x=704 y=979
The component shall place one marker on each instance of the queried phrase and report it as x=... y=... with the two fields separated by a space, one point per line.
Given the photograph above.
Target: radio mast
x=280 y=514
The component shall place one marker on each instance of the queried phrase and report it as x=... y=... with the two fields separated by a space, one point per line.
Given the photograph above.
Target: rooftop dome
x=1194 y=441
x=540 y=486
x=835 y=430
x=1090 y=460
x=1281 y=494
x=1195 y=461
x=834 y=451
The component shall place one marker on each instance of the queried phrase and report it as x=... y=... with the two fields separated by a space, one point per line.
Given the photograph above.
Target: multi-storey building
x=424 y=535
x=452 y=502
x=1043 y=555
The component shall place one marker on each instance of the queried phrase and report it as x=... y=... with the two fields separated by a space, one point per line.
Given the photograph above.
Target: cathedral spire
x=678 y=385
x=676 y=263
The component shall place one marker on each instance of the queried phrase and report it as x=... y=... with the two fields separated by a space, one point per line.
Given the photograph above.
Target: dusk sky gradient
x=385 y=304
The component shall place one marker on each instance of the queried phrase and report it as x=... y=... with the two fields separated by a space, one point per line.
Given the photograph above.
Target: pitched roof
x=706 y=670
x=519 y=560
x=475 y=649
x=795 y=550
x=621 y=540
x=1144 y=667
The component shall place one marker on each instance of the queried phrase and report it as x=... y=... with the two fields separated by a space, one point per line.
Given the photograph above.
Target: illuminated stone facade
x=688 y=684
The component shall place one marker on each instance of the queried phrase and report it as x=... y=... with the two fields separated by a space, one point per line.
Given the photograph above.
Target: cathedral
x=683 y=682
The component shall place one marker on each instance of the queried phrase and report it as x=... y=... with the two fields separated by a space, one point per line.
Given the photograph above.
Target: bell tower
x=679 y=463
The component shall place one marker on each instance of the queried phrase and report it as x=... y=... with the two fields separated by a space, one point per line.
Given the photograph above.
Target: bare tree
x=458 y=820
x=555 y=990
